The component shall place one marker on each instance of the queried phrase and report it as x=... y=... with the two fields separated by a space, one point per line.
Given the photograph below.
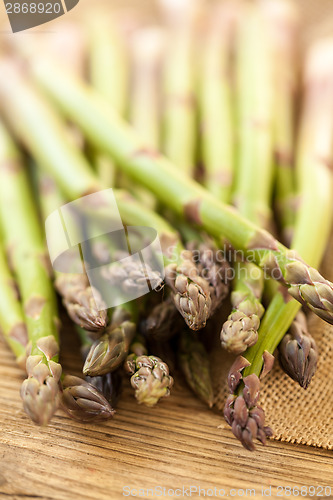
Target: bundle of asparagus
x=243 y=90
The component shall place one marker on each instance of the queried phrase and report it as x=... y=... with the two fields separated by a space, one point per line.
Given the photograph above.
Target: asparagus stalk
x=179 y=105
x=283 y=24
x=147 y=50
x=298 y=353
x=108 y=65
x=184 y=196
x=215 y=98
x=194 y=363
x=79 y=399
x=12 y=321
x=24 y=242
x=75 y=290
x=253 y=184
x=314 y=156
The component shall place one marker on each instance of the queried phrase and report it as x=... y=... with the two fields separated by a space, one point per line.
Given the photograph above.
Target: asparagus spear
x=215 y=96
x=79 y=299
x=12 y=321
x=75 y=290
x=184 y=196
x=284 y=26
x=146 y=53
x=109 y=385
x=253 y=184
x=108 y=65
x=79 y=399
x=24 y=242
x=179 y=106
x=147 y=50
x=83 y=402
x=109 y=351
x=314 y=156
x=149 y=377
x=194 y=363
x=241 y=328
x=298 y=353
x=212 y=265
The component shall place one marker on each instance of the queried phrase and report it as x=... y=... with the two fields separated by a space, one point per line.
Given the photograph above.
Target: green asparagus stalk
x=25 y=246
x=179 y=104
x=314 y=155
x=216 y=114
x=184 y=196
x=12 y=321
x=298 y=353
x=253 y=184
x=75 y=289
x=91 y=399
x=147 y=51
x=241 y=328
x=284 y=26
x=194 y=363
x=108 y=64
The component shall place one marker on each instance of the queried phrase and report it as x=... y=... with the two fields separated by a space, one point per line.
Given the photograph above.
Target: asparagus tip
x=83 y=402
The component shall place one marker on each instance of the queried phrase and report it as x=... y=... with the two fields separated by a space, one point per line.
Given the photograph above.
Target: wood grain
x=176 y=444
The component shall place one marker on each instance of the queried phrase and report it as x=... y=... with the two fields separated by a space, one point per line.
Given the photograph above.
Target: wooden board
x=175 y=445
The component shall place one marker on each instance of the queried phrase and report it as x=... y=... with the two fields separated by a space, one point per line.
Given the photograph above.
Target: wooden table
x=175 y=445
